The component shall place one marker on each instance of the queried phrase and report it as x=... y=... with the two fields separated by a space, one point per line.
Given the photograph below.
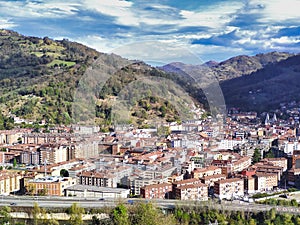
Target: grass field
x=61 y=62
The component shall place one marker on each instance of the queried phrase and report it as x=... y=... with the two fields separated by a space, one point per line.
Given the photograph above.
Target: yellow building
x=9 y=182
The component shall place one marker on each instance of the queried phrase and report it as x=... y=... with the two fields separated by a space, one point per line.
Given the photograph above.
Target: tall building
x=53 y=153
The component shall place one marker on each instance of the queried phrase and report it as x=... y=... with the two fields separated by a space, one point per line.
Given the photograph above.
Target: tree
x=5 y=216
x=64 y=173
x=272 y=213
x=95 y=221
x=30 y=189
x=120 y=215
x=15 y=163
x=52 y=221
x=148 y=214
x=36 y=211
x=75 y=214
x=256 y=156
x=287 y=219
x=294 y=202
x=270 y=154
x=43 y=192
x=163 y=131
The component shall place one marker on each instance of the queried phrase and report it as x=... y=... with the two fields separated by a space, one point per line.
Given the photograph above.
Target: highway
x=64 y=202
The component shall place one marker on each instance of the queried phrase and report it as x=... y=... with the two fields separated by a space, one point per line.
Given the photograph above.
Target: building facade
x=229 y=188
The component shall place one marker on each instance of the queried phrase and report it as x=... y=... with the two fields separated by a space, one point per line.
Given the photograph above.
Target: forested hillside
x=38 y=76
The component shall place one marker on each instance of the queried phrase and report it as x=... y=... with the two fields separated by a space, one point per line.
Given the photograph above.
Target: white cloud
x=286 y=40
x=270 y=44
x=30 y=9
x=138 y=15
x=275 y=11
x=260 y=33
x=162 y=52
x=213 y=17
x=116 y=8
x=100 y=43
x=6 y=24
x=128 y=14
x=218 y=53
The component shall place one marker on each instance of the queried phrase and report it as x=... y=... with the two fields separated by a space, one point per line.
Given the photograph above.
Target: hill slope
x=43 y=79
x=256 y=83
x=266 y=88
x=38 y=76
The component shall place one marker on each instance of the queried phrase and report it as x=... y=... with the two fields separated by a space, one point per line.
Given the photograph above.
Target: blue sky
x=211 y=30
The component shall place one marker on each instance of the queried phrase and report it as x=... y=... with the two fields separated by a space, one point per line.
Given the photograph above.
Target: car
x=101 y=199
x=130 y=202
x=13 y=203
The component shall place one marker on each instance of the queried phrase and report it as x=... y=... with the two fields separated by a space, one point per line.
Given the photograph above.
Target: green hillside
x=44 y=79
x=38 y=76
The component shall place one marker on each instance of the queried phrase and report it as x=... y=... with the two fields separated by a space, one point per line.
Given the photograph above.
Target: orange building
x=52 y=186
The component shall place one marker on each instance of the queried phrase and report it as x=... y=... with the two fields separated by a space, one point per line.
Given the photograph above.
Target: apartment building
x=162 y=191
x=294 y=177
x=208 y=171
x=231 y=143
x=30 y=157
x=241 y=164
x=232 y=165
x=269 y=168
x=53 y=153
x=136 y=183
x=77 y=169
x=174 y=178
x=228 y=188
x=197 y=192
x=183 y=183
x=265 y=181
x=249 y=184
x=11 y=136
x=280 y=162
x=210 y=180
x=100 y=179
x=9 y=182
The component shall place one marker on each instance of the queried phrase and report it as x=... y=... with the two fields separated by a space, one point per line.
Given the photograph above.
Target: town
x=194 y=160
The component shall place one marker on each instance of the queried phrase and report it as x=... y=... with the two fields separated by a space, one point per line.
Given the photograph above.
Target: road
x=64 y=202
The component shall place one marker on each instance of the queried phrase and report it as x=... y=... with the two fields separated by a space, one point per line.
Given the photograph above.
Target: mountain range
x=258 y=83
x=44 y=79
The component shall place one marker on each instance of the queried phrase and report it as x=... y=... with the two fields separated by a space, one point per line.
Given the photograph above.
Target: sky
x=165 y=30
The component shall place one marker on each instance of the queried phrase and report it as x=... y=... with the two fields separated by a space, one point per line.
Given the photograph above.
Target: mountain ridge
x=39 y=78
x=242 y=79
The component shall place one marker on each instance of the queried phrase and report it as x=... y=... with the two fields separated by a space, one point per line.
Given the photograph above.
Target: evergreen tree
x=256 y=156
